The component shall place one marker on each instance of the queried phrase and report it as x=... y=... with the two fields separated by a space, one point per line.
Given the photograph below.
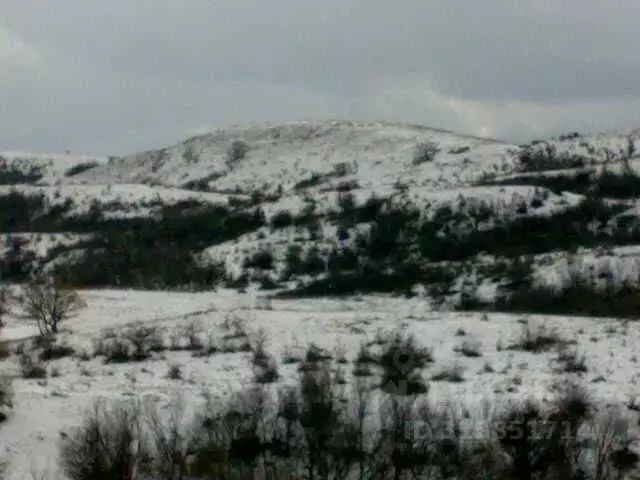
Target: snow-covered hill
x=405 y=220
x=297 y=167
x=282 y=155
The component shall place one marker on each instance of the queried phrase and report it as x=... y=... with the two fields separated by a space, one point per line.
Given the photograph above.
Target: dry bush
x=537 y=339
x=425 y=152
x=6 y=396
x=169 y=442
x=237 y=151
x=5 y=350
x=469 y=349
x=108 y=444
x=316 y=430
x=192 y=332
x=49 y=304
x=402 y=360
x=141 y=337
x=52 y=350
x=265 y=367
x=4 y=305
x=31 y=367
x=175 y=372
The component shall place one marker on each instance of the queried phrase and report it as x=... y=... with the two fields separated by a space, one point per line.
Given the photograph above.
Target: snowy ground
x=44 y=408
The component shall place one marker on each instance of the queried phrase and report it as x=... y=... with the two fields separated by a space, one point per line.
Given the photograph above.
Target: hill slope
x=316 y=209
x=333 y=207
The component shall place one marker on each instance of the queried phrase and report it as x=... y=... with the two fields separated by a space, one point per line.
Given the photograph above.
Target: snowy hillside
x=263 y=189
x=44 y=168
x=283 y=155
x=254 y=254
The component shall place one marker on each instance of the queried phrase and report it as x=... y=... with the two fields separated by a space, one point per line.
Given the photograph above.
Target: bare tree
x=48 y=304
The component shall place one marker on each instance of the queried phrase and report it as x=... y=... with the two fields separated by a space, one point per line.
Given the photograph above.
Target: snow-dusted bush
x=425 y=152
x=6 y=395
x=48 y=303
x=109 y=444
x=237 y=151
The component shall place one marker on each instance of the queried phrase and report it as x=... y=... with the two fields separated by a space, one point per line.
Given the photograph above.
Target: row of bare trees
x=311 y=431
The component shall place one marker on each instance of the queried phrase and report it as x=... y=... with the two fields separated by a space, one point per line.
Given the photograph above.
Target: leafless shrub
x=31 y=368
x=291 y=355
x=117 y=351
x=316 y=353
x=236 y=346
x=402 y=360
x=141 y=337
x=453 y=374
x=52 y=350
x=365 y=356
x=49 y=304
x=315 y=357
x=537 y=339
x=267 y=372
x=235 y=326
x=84 y=356
x=6 y=396
x=108 y=445
x=469 y=349
x=175 y=372
x=156 y=341
x=260 y=355
x=237 y=151
x=5 y=350
x=425 y=152
x=313 y=430
x=487 y=368
x=341 y=354
x=4 y=305
x=170 y=442
x=571 y=361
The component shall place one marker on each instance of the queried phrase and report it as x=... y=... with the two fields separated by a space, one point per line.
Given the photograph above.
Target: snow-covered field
x=44 y=408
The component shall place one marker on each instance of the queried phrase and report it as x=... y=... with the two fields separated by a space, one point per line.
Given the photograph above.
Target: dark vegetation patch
x=133 y=252
x=402 y=247
x=579 y=298
x=314 y=430
x=11 y=174
x=80 y=168
x=380 y=246
x=606 y=184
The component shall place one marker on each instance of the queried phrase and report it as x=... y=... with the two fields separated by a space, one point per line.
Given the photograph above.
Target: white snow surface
x=43 y=409
x=283 y=154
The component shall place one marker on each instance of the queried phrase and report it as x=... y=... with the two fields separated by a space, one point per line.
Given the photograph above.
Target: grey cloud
x=128 y=74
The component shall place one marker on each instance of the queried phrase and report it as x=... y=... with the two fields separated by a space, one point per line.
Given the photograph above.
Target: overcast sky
x=118 y=76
